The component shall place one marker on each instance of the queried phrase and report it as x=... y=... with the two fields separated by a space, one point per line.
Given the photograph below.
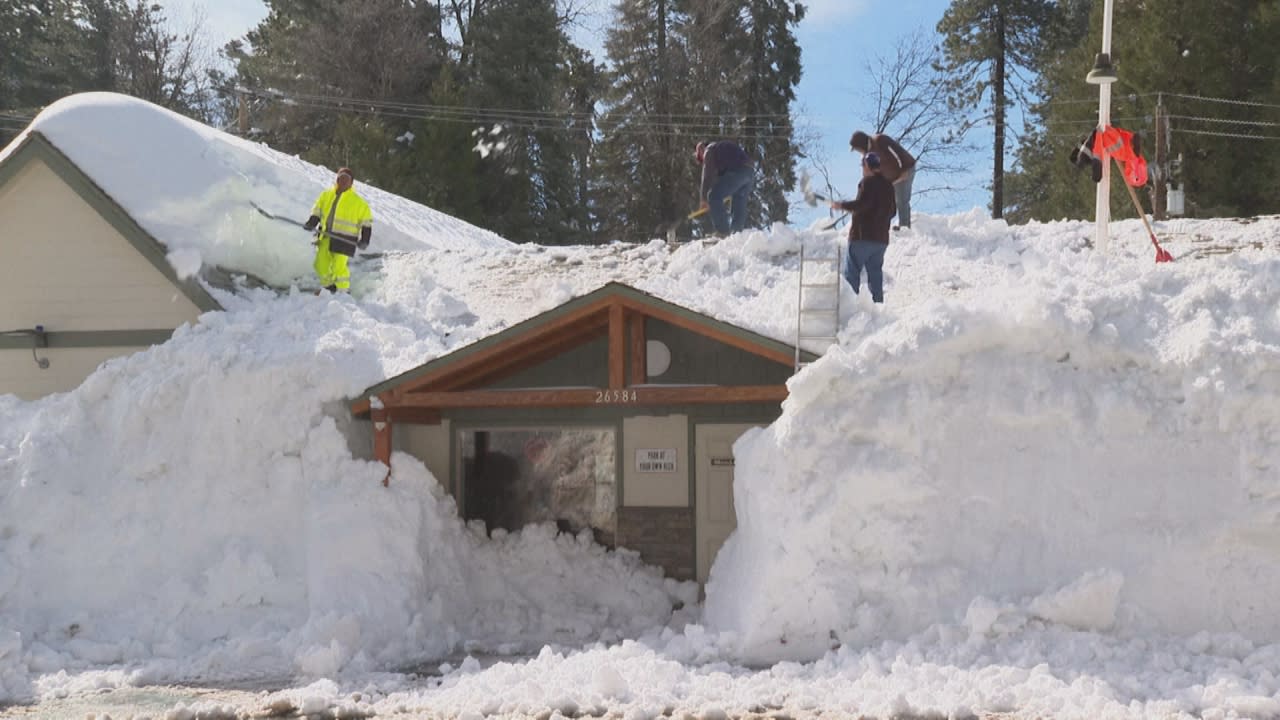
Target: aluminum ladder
x=818 y=300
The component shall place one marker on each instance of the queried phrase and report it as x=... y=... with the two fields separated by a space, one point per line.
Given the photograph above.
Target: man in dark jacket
x=898 y=166
x=870 y=214
x=726 y=173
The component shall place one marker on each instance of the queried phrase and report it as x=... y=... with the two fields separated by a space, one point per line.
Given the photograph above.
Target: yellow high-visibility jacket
x=349 y=225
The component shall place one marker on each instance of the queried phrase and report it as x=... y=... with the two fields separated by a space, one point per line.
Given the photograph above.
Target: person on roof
x=896 y=164
x=871 y=211
x=726 y=173
x=344 y=224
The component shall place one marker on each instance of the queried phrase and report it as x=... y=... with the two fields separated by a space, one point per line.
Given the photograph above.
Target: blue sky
x=838 y=39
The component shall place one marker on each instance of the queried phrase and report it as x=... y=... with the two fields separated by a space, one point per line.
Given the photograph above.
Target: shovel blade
x=810 y=198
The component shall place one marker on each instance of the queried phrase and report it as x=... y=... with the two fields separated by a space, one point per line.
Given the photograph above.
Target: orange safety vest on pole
x=1122 y=145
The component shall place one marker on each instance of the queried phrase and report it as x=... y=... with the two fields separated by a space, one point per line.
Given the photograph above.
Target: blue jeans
x=902 y=196
x=737 y=184
x=869 y=255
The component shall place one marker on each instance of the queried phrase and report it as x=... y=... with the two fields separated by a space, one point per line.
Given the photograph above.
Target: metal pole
x=1103 y=210
x=1161 y=176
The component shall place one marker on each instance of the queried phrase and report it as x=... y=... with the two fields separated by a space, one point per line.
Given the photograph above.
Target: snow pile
x=194 y=511
x=1087 y=440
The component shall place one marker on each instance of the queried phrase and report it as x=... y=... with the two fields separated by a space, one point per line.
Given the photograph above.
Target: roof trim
x=26 y=339
x=587 y=304
x=35 y=146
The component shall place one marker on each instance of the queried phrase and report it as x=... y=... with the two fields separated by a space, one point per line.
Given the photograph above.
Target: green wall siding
x=586 y=365
x=695 y=360
x=699 y=360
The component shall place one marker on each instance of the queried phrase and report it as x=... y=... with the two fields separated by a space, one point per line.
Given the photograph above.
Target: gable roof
x=35 y=146
x=558 y=329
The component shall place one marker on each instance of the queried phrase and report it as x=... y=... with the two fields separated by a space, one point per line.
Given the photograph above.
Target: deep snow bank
x=194 y=511
x=1085 y=440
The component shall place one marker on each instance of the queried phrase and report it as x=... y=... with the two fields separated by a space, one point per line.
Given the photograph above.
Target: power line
x=1226 y=101
x=1241 y=136
x=647 y=125
x=470 y=111
x=1227 y=121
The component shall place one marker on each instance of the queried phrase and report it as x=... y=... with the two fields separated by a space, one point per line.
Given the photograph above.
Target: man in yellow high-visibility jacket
x=346 y=225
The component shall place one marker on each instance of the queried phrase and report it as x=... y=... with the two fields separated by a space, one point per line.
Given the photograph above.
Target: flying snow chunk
x=186 y=262
x=1087 y=604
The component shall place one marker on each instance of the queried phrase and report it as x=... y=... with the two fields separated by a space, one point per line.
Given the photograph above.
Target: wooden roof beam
x=498 y=350
x=638 y=349
x=587 y=397
x=617 y=346
x=778 y=356
x=527 y=355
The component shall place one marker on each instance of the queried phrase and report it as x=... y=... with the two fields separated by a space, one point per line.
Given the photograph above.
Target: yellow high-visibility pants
x=331 y=267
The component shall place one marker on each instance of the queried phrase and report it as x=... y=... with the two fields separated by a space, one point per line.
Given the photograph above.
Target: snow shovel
x=831 y=225
x=1162 y=255
x=280 y=218
x=811 y=198
x=671 y=231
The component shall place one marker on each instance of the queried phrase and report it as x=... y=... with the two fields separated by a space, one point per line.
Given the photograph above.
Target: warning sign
x=650 y=460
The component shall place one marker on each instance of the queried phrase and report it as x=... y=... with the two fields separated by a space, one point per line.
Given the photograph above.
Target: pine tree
x=686 y=71
x=310 y=62
x=643 y=181
x=1043 y=184
x=767 y=96
x=1175 y=51
x=1224 y=50
x=518 y=62
x=745 y=64
x=986 y=43
x=53 y=48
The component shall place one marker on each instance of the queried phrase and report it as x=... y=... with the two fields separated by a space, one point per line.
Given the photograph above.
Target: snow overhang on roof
x=35 y=146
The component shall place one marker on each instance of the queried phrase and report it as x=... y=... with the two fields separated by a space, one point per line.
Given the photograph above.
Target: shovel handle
x=1162 y=255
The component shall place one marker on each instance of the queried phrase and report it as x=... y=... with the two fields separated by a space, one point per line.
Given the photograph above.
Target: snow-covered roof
x=194 y=188
x=33 y=145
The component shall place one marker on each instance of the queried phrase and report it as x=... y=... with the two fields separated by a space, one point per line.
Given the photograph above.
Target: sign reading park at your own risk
x=656 y=460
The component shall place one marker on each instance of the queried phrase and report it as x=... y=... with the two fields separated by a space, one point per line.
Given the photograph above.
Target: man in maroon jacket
x=870 y=214
x=898 y=166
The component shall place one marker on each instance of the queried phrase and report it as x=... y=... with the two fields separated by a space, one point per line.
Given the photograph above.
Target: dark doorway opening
x=516 y=477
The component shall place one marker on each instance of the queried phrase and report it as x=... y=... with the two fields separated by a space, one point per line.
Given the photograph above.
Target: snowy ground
x=1040 y=482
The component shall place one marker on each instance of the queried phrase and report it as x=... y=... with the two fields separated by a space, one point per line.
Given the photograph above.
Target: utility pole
x=1102 y=75
x=242 y=112
x=1160 y=178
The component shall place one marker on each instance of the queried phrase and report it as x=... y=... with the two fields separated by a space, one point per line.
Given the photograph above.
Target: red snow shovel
x=1162 y=255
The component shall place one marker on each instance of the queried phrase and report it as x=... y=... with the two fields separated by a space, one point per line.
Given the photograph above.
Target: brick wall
x=663 y=537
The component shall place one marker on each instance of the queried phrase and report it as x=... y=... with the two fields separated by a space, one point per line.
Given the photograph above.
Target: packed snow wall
x=194 y=510
x=1097 y=452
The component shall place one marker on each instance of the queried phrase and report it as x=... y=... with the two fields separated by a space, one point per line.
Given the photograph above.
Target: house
x=615 y=412
x=81 y=281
